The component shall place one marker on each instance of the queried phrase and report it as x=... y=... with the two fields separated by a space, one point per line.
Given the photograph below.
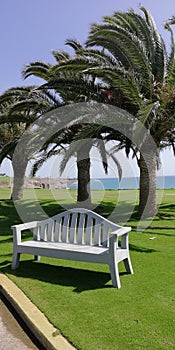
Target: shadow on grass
x=9 y=215
x=118 y=212
x=6 y=240
x=166 y=212
x=135 y=248
x=161 y=233
x=168 y=206
x=80 y=279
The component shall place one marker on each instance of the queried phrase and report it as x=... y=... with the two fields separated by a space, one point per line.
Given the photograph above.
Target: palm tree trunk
x=148 y=168
x=83 y=167
x=84 y=181
x=19 y=165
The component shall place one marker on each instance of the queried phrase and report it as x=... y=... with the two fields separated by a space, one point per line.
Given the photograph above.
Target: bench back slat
x=50 y=228
x=89 y=230
x=57 y=231
x=105 y=234
x=73 y=227
x=97 y=232
x=65 y=227
x=42 y=231
x=80 y=226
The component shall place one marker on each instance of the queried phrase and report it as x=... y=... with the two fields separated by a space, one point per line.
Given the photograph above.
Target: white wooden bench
x=76 y=234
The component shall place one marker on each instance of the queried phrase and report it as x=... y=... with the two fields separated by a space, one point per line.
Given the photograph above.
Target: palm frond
x=172 y=50
x=120 y=82
x=147 y=113
x=103 y=153
x=76 y=45
x=43 y=157
x=111 y=155
x=145 y=120
x=13 y=94
x=7 y=150
x=160 y=57
x=39 y=69
x=99 y=56
x=68 y=154
x=173 y=147
x=127 y=49
x=60 y=55
x=171 y=20
x=141 y=29
x=75 y=64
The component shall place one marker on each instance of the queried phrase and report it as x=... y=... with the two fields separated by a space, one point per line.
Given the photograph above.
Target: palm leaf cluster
x=124 y=64
x=135 y=46
x=19 y=107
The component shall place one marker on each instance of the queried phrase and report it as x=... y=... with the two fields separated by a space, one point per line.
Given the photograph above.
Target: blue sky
x=30 y=30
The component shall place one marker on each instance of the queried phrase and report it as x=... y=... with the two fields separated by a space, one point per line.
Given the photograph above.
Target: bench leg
x=128 y=265
x=15 y=261
x=37 y=257
x=114 y=274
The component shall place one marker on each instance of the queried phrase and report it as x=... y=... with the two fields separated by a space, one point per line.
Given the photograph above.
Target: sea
x=127 y=183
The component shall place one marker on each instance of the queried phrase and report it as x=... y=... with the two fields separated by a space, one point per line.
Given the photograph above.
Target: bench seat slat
x=64 y=246
x=68 y=251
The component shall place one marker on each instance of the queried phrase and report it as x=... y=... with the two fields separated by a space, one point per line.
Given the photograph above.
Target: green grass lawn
x=78 y=298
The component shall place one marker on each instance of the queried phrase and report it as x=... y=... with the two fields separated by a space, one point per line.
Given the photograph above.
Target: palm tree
x=142 y=71
x=74 y=140
x=131 y=60
x=71 y=88
x=20 y=107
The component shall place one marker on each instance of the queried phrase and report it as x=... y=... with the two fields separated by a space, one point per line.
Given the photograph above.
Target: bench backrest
x=78 y=225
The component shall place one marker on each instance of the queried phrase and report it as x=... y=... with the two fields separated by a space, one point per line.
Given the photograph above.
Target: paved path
x=44 y=331
x=12 y=336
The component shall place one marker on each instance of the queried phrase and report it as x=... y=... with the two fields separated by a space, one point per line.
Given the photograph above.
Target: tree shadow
x=9 y=215
x=118 y=212
x=168 y=206
x=6 y=263
x=161 y=233
x=6 y=240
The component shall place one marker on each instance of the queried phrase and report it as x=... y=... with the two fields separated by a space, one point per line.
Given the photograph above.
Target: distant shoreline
x=163 y=182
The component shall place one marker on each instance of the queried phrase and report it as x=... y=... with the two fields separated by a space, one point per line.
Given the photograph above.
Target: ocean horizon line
x=113 y=183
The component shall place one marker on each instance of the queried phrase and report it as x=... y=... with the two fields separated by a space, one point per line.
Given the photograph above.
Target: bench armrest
x=17 y=229
x=25 y=226
x=121 y=232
